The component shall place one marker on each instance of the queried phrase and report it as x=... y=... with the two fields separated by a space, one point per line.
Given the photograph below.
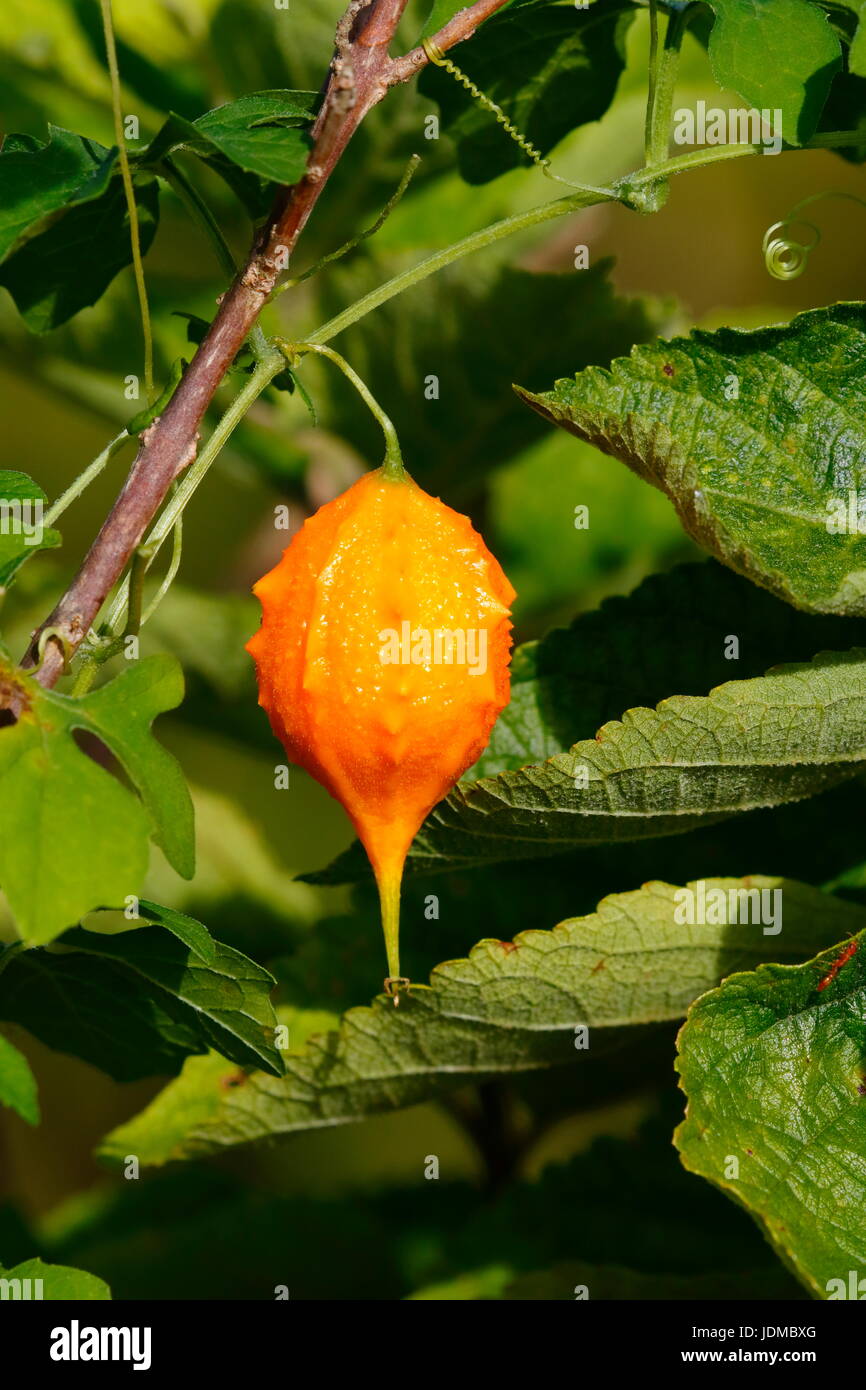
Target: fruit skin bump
x=355 y=692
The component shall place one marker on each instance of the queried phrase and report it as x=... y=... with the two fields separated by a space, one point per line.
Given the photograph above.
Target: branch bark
x=360 y=75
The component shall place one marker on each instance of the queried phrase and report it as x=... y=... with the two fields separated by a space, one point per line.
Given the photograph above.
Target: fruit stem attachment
x=388 y=882
x=393 y=464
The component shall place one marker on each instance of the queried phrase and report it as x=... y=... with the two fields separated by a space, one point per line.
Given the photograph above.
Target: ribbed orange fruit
x=382 y=661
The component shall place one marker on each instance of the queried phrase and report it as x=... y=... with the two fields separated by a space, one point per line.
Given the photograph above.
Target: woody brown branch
x=361 y=73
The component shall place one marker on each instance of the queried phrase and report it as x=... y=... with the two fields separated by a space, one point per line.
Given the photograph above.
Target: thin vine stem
x=393 y=465
x=652 y=81
x=408 y=175
x=487 y=236
x=170 y=574
x=664 y=67
x=84 y=479
x=476 y=241
x=129 y=192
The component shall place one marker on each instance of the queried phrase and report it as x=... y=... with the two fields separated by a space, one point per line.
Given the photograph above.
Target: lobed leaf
x=22 y=533
x=59 y=809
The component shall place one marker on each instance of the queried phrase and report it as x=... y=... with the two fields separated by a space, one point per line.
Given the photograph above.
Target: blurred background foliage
x=348 y=1213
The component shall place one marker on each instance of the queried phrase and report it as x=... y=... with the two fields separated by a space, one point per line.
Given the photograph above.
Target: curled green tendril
x=784 y=256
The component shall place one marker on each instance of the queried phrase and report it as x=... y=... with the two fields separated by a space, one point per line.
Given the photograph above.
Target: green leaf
x=806 y=55
x=137 y=1002
x=56 y=1282
x=186 y=929
x=691 y=761
x=227 y=994
x=59 y=809
x=467 y=331
x=55 y=274
x=853 y=33
x=264 y=134
x=757 y=438
x=96 y=1010
x=566 y=685
x=549 y=67
x=41 y=179
x=509 y=1007
x=772 y=1066
x=21 y=531
x=17 y=1083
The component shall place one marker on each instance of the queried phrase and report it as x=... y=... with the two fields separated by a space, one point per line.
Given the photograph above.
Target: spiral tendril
x=784 y=256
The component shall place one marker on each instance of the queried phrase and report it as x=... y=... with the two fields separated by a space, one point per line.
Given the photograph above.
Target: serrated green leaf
x=17 y=1083
x=691 y=761
x=757 y=438
x=59 y=809
x=55 y=274
x=509 y=1007
x=550 y=67
x=773 y=1068
x=565 y=686
x=673 y=632
x=35 y=1280
x=135 y=1003
x=40 y=179
x=21 y=531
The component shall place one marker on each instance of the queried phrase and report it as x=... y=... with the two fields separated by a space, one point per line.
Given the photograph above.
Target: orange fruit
x=382 y=661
